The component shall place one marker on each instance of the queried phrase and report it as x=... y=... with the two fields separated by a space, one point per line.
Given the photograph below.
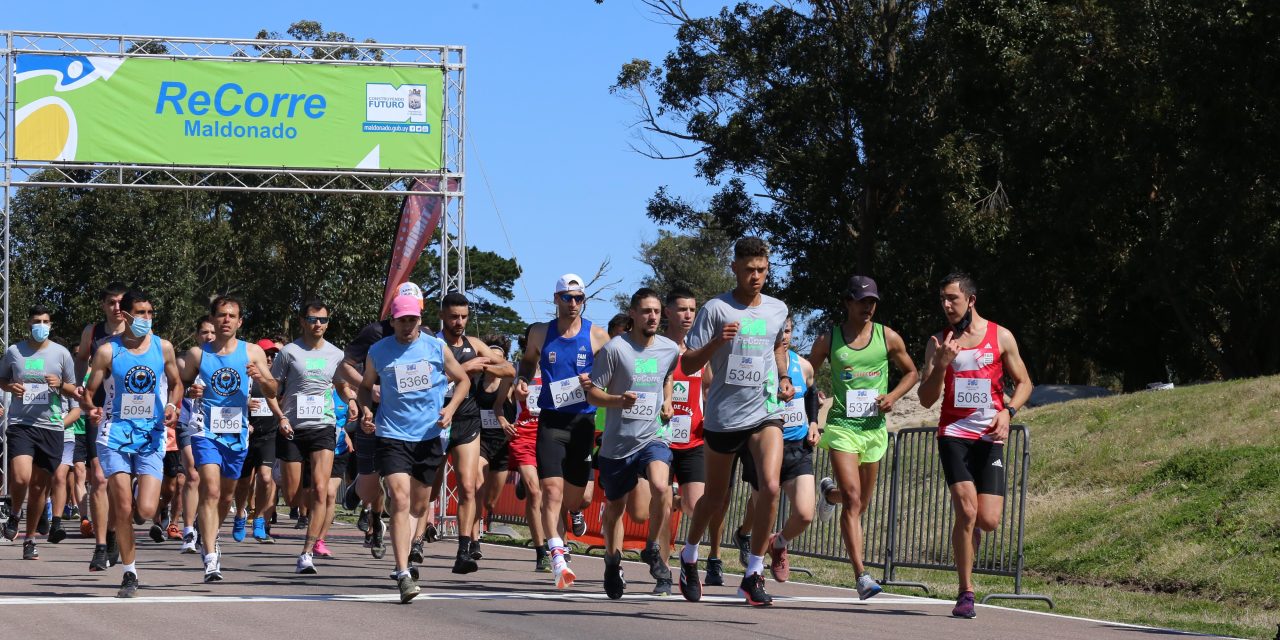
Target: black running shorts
x=977 y=461
x=565 y=441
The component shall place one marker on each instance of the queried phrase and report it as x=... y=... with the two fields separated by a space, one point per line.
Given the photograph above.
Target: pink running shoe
x=321 y=550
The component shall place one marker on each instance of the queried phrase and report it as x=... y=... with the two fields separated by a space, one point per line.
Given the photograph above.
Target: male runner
x=307 y=369
x=256 y=474
x=965 y=365
x=464 y=432
x=70 y=475
x=341 y=455
x=39 y=375
x=631 y=378
x=562 y=349
x=105 y=550
x=142 y=393
x=493 y=395
x=412 y=421
x=855 y=433
x=524 y=455
x=190 y=421
x=739 y=334
x=227 y=366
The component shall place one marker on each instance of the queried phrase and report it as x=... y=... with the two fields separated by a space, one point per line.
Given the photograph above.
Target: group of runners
x=634 y=407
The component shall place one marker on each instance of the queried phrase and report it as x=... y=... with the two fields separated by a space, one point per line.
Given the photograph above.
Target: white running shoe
x=826 y=509
x=305 y=565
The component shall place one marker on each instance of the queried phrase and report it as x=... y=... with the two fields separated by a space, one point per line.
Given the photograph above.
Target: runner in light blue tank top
x=136 y=394
x=796 y=419
x=226 y=398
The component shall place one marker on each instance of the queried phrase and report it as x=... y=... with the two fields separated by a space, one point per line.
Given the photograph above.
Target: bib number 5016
x=566 y=392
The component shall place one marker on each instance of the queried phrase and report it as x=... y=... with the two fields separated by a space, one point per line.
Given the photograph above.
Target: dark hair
x=523 y=341
x=621 y=320
x=315 y=303
x=679 y=293
x=38 y=310
x=204 y=320
x=498 y=340
x=132 y=297
x=454 y=299
x=112 y=290
x=222 y=300
x=967 y=286
x=641 y=294
x=750 y=247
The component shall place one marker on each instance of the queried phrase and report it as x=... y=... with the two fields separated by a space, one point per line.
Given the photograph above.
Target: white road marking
x=390 y=597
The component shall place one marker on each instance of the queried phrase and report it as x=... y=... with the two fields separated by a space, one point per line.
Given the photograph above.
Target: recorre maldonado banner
x=103 y=109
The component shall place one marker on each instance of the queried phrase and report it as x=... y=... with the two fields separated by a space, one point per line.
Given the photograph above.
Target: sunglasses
x=568 y=299
x=317 y=320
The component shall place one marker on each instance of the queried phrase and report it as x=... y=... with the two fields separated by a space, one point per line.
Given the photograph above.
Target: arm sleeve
x=811 y=403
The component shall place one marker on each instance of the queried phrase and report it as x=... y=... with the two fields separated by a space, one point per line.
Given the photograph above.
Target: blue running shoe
x=260 y=529
x=237 y=529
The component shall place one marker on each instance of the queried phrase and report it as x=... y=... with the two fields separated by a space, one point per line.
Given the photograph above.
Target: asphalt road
x=353 y=596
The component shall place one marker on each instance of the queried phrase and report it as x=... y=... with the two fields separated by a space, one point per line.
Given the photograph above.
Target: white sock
x=130 y=567
x=779 y=542
x=186 y=530
x=755 y=564
x=555 y=543
x=689 y=554
x=402 y=573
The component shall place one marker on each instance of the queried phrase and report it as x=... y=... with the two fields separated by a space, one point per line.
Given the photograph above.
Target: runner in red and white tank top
x=523 y=456
x=965 y=366
x=686 y=396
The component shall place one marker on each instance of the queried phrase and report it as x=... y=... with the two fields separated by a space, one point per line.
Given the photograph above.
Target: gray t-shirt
x=39 y=405
x=744 y=387
x=623 y=366
x=306 y=376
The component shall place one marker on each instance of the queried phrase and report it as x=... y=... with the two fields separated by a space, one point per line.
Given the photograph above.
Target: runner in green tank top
x=855 y=432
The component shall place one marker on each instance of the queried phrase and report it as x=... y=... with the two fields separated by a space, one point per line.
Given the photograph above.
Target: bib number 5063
x=972 y=393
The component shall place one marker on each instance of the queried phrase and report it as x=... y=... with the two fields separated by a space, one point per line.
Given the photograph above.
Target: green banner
x=237 y=114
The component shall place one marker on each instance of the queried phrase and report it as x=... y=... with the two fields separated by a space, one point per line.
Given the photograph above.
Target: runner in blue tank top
x=412 y=422
x=142 y=392
x=565 y=349
x=225 y=367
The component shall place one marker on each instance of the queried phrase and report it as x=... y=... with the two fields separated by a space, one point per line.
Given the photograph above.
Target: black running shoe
x=408 y=589
x=29 y=550
x=431 y=534
x=156 y=533
x=362 y=523
x=690 y=587
x=377 y=545
x=415 y=551
x=752 y=588
x=42 y=527
x=11 y=528
x=475 y=550
x=652 y=556
x=521 y=492
x=351 y=499
x=715 y=573
x=579 y=523
x=614 y=584
x=743 y=543
x=464 y=564
x=99 y=560
x=128 y=586
x=57 y=535
x=662 y=581
x=302 y=522
x=113 y=550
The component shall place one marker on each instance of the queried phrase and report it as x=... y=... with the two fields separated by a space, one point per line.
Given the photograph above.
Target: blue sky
x=552 y=140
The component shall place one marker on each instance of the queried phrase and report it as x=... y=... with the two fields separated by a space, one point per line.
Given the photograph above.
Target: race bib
x=566 y=392
x=681 y=429
x=137 y=406
x=259 y=408
x=645 y=408
x=745 y=371
x=531 y=403
x=415 y=376
x=35 y=393
x=793 y=413
x=860 y=403
x=680 y=391
x=226 y=420
x=489 y=419
x=972 y=393
x=310 y=407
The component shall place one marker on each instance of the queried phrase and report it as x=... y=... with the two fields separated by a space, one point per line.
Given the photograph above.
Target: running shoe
x=690 y=588
x=649 y=555
x=128 y=586
x=377 y=546
x=431 y=534
x=614 y=583
x=415 y=551
x=464 y=563
x=662 y=581
x=57 y=534
x=174 y=532
x=715 y=573
x=113 y=550
x=42 y=527
x=362 y=523
x=579 y=523
x=321 y=549
x=302 y=522
x=564 y=576
x=542 y=564
x=189 y=543
x=74 y=515
x=779 y=565
x=964 y=606
x=476 y=554
x=752 y=588
x=413 y=572
x=408 y=588
x=238 y=528
x=10 y=528
x=86 y=528
x=305 y=565
x=99 y=560
x=351 y=499
x=260 y=530
x=213 y=568
x=156 y=533
x=867 y=587
x=293 y=513
x=66 y=512
x=743 y=543
x=29 y=550
x=826 y=508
